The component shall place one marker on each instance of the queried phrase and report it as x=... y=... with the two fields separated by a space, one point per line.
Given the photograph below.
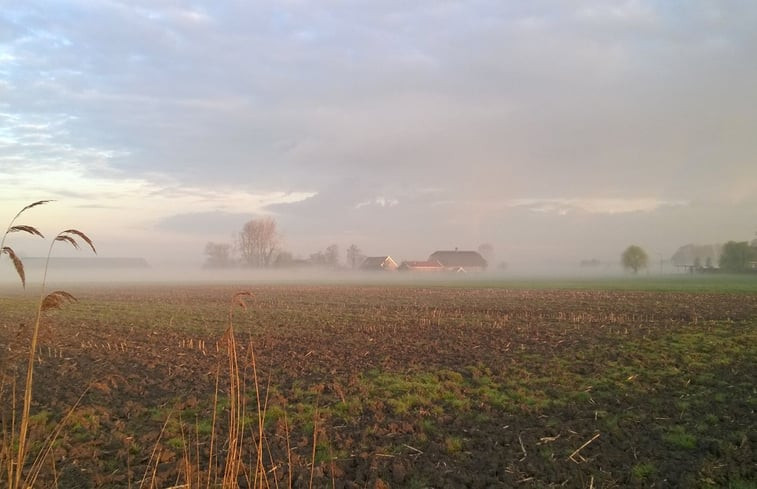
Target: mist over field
x=173 y=274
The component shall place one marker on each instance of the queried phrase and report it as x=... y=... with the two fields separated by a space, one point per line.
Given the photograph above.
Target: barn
x=460 y=261
x=379 y=263
x=421 y=266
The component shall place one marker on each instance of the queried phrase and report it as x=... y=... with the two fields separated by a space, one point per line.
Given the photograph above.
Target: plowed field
x=392 y=387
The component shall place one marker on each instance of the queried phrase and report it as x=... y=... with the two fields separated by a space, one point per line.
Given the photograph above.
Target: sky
x=554 y=130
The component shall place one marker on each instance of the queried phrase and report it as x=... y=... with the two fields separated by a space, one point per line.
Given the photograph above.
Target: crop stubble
x=407 y=387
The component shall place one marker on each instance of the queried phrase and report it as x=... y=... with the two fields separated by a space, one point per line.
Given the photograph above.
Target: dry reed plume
x=54 y=300
x=15 y=444
x=20 y=228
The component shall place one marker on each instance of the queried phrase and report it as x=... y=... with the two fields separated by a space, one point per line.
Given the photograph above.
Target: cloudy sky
x=554 y=130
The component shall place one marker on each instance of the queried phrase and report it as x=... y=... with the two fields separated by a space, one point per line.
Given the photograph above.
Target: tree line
x=259 y=245
x=735 y=257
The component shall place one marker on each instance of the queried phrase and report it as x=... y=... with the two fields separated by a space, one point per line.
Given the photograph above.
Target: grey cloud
x=357 y=88
x=210 y=224
x=484 y=102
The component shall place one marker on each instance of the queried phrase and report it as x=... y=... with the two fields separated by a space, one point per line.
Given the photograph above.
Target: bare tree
x=318 y=258
x=284 y=259
x=258 y=241
x=332 y=255
x=328 y=258
x=218 y=254
x=354 y=256
x=487 y=251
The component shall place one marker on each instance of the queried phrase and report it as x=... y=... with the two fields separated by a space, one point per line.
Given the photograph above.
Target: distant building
x=421 y=266
x=379 y=263
x=460 y=261
x=693 y=256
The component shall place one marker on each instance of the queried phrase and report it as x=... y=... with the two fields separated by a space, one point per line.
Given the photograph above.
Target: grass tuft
x=643 y=470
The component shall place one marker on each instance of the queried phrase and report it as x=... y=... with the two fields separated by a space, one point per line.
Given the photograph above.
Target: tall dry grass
x=15 y=450
x=248 y=460
x=254 y=469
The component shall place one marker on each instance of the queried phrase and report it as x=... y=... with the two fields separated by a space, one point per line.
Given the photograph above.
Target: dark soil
x=428 y=387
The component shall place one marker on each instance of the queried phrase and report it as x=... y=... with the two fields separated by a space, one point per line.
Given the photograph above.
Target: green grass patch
x=453 y=444
x=176 y=442
x=678 y=437
x=742 y=484
x=643 y=470
x=204 y=426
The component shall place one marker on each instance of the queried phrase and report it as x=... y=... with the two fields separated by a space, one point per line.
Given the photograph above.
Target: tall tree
x=487 y=251
x=634 y=258
x=218 y=254
x=258 y=241
x=318 y=258
x=328 y=258
x=354 y=256
x=283 y=259
x=332 y=255
x=736 y=256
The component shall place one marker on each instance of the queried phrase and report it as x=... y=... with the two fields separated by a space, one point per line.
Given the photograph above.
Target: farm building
x=379 y=263
x=693 y=256
x=460 y=261
x=421 y=266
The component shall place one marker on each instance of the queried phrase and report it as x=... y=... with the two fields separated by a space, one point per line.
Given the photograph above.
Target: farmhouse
x=421 y=266
x=460 y=261
x=379 y=263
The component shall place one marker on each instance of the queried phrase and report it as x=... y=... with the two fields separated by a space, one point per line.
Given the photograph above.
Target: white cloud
x=563 y=206
x=134 y=203
x=379 y=202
